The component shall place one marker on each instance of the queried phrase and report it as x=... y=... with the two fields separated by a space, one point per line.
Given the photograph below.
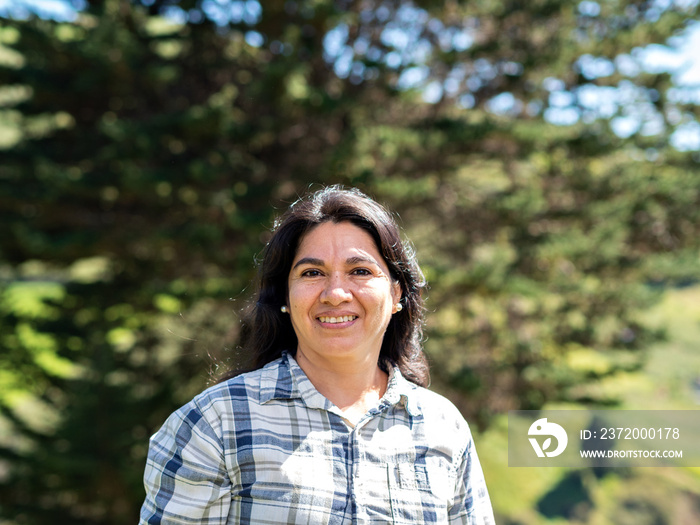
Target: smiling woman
x=332 y=423
x=266 y=334
x=341 y=299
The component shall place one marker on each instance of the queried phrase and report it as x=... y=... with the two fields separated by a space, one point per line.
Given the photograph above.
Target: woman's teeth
x=342 y=319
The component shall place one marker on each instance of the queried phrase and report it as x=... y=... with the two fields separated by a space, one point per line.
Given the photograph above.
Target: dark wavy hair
x=266 y=332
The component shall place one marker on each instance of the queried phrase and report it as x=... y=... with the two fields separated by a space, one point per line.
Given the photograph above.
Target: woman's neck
x=354 y=387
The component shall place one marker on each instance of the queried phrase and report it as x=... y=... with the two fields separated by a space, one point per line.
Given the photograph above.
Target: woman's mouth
x=339 y=319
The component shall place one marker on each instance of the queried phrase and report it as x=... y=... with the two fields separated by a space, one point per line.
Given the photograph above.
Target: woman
x=333 y=424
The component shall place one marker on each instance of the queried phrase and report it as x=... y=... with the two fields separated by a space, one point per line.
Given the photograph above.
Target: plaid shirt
x=267 y=448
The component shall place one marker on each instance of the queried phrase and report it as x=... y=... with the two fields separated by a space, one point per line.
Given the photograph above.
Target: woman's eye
x=310 y=273
x=361 y=271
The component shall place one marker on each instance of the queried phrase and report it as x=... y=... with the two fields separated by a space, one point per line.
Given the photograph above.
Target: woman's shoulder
x=438 y=411
x=247 y=383
x=217 y=407
x=244 y=388
x=432 y=401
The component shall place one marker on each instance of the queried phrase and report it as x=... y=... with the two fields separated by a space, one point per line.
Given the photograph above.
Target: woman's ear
x=395 y=292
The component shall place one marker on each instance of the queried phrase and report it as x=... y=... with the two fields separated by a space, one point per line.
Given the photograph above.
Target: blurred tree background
x=536 y=163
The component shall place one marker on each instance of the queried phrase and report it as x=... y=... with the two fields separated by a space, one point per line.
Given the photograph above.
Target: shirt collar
x=284 y=379
x=401 y=392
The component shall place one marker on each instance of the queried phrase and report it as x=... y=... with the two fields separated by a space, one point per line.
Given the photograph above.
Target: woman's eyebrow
x=313 y=261
x=360 y=260
x=309 y=260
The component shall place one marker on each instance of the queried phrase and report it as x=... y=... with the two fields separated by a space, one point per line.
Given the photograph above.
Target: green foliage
x=86 y=380
x=611 y=496
x=147 y=147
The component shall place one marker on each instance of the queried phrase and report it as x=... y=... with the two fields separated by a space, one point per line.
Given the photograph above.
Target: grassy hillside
x=637 y=496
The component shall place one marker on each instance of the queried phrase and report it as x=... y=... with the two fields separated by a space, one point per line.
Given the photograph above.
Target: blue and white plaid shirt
x=267 y=448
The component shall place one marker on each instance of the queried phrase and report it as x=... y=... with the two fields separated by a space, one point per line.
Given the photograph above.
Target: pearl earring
x=399 y=307
x=283 y=309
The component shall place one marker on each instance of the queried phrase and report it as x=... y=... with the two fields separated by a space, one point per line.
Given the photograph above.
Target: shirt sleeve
x=186 y=479
x=472 y=505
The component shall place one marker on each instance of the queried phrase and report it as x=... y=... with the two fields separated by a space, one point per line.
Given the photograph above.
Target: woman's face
x=341 y=295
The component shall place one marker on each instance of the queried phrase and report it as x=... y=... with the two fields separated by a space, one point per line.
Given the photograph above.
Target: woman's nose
x=336 y=291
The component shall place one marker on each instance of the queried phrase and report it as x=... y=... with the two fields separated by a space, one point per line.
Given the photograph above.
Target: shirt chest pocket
x=404 y=493
x=418 y=493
